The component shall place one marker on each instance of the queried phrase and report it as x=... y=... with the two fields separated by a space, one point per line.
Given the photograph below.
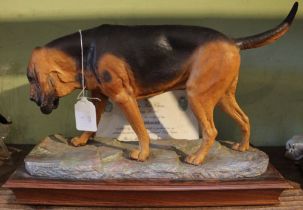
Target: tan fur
x=209 y=76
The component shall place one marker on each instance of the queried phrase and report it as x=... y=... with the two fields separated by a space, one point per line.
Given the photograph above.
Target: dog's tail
x=269 y=36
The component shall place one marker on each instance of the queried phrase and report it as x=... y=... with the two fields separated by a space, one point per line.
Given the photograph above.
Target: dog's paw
x=194 y=159
x=240 y=147
x=76 y=141
x=138 y=155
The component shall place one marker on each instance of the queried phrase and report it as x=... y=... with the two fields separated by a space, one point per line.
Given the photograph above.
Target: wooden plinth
x=261 y=190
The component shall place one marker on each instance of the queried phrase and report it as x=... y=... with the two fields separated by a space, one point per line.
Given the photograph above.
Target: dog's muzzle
x=48 y=108
x=47 y=104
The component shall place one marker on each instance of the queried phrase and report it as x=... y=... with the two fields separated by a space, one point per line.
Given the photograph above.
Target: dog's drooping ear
x=63 y=65
x=65 y=75
x=54 y=69
x=54 y=60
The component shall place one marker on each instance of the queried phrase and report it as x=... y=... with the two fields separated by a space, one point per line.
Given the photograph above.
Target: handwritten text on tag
x=85 y=113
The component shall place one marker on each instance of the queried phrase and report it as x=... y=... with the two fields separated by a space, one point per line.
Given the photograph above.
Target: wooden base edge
x=263 y=190
x=147 y=198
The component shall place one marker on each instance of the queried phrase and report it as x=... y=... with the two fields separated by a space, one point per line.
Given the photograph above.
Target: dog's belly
x=146 y=92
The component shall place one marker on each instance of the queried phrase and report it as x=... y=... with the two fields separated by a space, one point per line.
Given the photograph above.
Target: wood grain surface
x=289 y=199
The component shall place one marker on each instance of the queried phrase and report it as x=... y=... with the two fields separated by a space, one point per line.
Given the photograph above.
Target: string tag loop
x=85 y=110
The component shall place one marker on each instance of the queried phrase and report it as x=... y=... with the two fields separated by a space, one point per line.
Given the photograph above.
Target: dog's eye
x=30 y=77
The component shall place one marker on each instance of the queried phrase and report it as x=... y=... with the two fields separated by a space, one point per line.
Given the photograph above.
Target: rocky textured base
x=108 y=159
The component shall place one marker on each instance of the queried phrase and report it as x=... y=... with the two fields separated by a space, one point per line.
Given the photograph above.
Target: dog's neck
x=71 y=46
x=90 y=82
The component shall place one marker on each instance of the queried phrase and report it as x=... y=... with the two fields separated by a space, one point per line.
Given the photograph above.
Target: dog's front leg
x=129 y=106
x=100 y=106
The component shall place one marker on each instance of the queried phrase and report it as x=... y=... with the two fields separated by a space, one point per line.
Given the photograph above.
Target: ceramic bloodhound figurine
x=126 y=63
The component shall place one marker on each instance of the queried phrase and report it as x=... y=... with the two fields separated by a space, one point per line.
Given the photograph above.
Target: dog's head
x=51 y=74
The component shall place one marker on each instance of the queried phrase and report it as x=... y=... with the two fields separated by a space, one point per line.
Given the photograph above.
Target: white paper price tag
x=85 y=113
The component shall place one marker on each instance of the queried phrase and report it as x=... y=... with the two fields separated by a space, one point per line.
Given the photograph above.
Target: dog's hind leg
x=230 y=106
x=100 y=107
x=203 y=109
x=213 y=69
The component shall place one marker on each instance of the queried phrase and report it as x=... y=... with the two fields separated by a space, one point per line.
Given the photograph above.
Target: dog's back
x=155 y=54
